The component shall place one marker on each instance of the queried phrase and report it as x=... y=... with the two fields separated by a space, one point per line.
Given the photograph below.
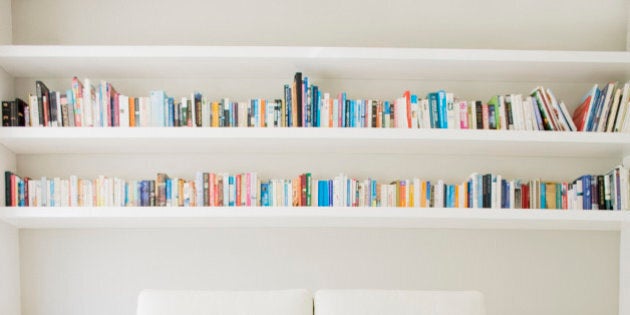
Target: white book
x=612 y=115
x=401 y=113
x=73 y=191
x=199 y=188
x=123 y=111
x=601 y=124
x=57 y=96
x=529 y=115
x=623 y=110
x=451 y=113
x=33 y=108
x=415 y=112
x=438 y=197
x=335 y=113
x=518 y=98
x=512 y=194
x=145 y=111
x=472 y=115
x=416 y=192
x=565 y=112
x=206 y=110
x=89 y=100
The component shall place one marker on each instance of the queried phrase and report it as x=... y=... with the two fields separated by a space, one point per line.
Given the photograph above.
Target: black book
x=43 y=100
x=479 y=114
x=508 y=112
x=374 y=109
x=601 y=195
x=53 y=108
x=13 y=117
x=287 y=106
x=197 y=105
x=297 y=80
x=6 y=113
x=22 y=111
x=486 y=190
x=7 y=188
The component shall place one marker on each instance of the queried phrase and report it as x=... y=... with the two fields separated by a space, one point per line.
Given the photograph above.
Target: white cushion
x=287 y=302
x=373 y=302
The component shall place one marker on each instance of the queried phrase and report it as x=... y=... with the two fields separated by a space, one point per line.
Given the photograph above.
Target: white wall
x=537 y=24
x=9 y=246
x=100 y=272
x=9 y=270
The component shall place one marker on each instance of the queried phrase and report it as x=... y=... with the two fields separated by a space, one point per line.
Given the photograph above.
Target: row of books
x=608 y=191
x=605 y=109
x=304 y=105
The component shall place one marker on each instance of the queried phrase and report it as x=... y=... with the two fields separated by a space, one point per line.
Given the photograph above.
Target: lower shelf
x=175 y=217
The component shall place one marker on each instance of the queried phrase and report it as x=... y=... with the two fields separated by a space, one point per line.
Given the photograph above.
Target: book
x=582 y=113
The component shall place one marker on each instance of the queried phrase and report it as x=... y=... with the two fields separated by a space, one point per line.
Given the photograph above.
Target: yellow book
x=423 y=193
x=456 y=196
x=215 y=114
x=411 y=195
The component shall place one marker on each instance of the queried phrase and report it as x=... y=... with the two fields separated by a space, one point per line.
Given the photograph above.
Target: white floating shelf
x=174 y=217
x=319 y=62
x=305 y=140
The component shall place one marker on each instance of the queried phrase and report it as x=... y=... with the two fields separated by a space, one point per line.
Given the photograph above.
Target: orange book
x=238 y=190
x=132 y=116
x=423 y=193
x=411 y=195
x=263 y=113
x=215 y=114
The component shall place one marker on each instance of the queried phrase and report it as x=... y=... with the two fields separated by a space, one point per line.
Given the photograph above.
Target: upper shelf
x=305 y=140
x=319 y=62
x=179 y=217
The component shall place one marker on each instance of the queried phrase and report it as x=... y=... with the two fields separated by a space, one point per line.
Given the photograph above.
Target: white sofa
x=300 y=302
x=286 y=302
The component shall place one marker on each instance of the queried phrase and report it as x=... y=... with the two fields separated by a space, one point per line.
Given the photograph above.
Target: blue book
x=505 y=194
x=288 y=104
x=450 y=196
x=433 y=110
x=144 y=194
x=158 y=99
x=469 y=189
x=168 y=185
x=543 y=195
x=171 y=112
x=232 y=191
x=305 y=101
x=587 y=193
x=264 y=194
x=598 y=97
x=428 y=195
x=442 y=110
x=373 y=200
x=343 y=110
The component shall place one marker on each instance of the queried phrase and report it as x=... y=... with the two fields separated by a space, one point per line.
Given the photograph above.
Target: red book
x=580 y=115
x=525 y=196
x=407 y=96
x=238 y=190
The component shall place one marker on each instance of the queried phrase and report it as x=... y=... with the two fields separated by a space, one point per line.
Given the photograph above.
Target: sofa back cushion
x=286 y=302
x=381 y=302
